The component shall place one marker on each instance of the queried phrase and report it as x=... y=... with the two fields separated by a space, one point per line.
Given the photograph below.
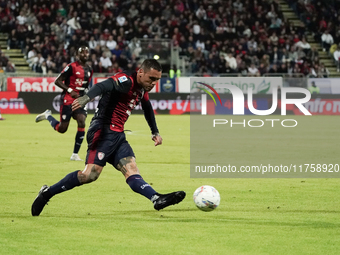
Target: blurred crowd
x=214 y=36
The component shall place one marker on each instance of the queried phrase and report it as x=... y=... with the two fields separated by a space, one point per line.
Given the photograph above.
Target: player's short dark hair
x=151 y=63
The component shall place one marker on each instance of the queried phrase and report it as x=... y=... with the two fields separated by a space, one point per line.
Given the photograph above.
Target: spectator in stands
x=38 y=60
x=323 y=71
x=105 y=61
x=62 y=10
x=283 y=68
x=301 y=55
x=274 y=39
x=243 y=69
x=10 y=68
x=275 y=56
x=238 y=5
x=273 y=69
x=252 y=44
x=293 y=55
x=201 y=14
x=263 y=69
x=21 y=18
x=336 y=56
x=295 y=70
x=133 y=11
x=116 y=68
x=3 y=59
x=231 y=61
x=253 y=71
x=111 y=44
x=305 y=69
x=312 y=54
x=13 y=42
x=31 y=56
x=327 y=40
x=314 y=71
x=285 y=56
x=304 y=45
x=93 y=45
x=73 y=24
x=120 y=19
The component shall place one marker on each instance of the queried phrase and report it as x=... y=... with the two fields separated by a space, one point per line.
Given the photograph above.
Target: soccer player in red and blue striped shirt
x=106 y=138
x=74 y=80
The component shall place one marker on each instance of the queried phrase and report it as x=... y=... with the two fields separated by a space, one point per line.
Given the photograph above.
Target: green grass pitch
x=256 y=216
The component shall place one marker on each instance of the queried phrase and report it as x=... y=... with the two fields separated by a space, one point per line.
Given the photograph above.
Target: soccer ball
x=206 y=198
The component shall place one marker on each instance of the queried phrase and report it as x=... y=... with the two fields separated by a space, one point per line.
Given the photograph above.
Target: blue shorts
x=66 y=112
x=106 y=146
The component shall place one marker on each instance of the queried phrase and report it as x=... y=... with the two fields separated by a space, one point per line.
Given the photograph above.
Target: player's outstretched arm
x=150 y=118
x=96 y=90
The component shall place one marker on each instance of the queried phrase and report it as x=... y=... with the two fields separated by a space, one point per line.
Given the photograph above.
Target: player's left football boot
x=40 y=201
x=43 y=116
x=161 y=201
x=75 y=157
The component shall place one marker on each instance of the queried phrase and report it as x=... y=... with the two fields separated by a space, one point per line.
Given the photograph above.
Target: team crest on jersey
x=101 y=155
x=63 y=116
x=122 y=79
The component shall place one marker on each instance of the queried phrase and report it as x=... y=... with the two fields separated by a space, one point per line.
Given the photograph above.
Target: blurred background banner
x=32 y=84
x=28 y=102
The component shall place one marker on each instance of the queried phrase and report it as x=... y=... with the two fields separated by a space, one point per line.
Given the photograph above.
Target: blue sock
x=138 y=185
x=67 y=183
x=79 y=139
x=54 y=123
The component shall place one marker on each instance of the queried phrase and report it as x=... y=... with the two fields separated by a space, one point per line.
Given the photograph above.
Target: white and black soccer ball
x=206 y=198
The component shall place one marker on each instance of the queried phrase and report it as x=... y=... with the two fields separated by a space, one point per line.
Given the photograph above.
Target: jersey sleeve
x=149 y=114
x=101 y=88
x=67 y=71
x=145 y=97
x=108 y=85
x=90 y=79
x=122 y=82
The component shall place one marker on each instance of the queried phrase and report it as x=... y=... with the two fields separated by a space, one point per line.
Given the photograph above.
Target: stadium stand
x=220 y=37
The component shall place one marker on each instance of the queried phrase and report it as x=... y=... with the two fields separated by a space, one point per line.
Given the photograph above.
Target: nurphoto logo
x=238 y=100
x=239 y=104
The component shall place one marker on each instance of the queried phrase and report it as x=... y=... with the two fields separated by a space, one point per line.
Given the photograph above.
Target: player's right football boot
x=75 y=157
x=161 y=201
x=43 y=116
x=40 y=201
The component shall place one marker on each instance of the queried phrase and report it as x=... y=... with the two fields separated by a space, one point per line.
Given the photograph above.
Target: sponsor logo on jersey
x=78 y=81
x=122 y=79
x=88 y=74
x=66 y=68
x=101 y=155
x=77 y=73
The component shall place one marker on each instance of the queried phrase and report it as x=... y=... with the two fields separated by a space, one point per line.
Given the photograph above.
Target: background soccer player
x=74 y=80
x=106 y=138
